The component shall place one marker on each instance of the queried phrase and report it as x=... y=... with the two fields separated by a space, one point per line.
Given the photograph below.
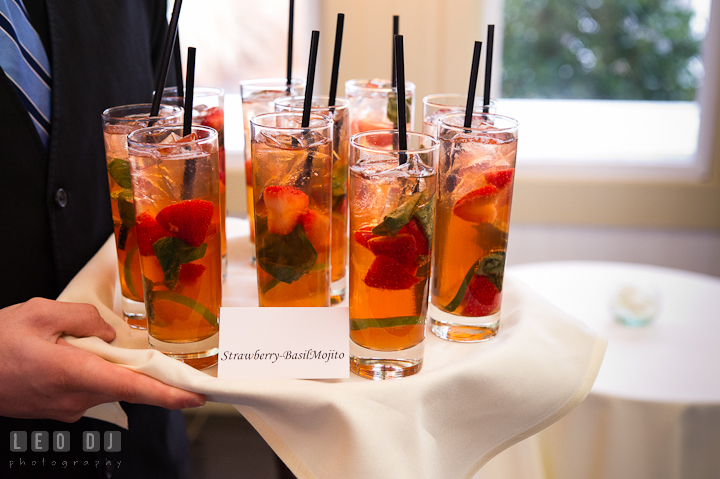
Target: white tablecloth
x=654 y=410
x=468 y=403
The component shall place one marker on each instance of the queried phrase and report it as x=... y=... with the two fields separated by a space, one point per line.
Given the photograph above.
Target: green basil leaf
x=127 y=271
x=339 y=180
x=493 y=267
x=187 y=253
x=399 y=217
x=172 y=253
x=392 y=108
x=424 y=214
x=119 y=170
x=284 y=257
x=127 y=210
x=453 y=305
x=358 y=324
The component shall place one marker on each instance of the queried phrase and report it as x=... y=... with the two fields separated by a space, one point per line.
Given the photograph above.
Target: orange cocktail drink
x=209 y=110
x=292 y=197
x=436 y=106
x=373 y=105
x=118 y=122
x=176 y=186
x=257 y=97
x=477 y=172
x=392 y=205
x=339 y=219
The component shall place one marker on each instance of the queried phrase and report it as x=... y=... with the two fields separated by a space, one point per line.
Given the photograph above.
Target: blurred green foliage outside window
x=602 y=49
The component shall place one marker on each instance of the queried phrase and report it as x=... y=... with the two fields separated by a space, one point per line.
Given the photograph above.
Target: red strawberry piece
x=380 y=140
x=285 y=205
x=476 y=206
x=148 y=232
x=364 y=234
x=415 y=229
x=190 y=272
x=401 y=248
x=188 y=220
x=482 y=298
x=386 y=273
x=317 y=228
x=214 y=118
x=500 y=178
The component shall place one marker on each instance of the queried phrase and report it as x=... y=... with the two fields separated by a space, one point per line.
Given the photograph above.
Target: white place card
x=284 y=343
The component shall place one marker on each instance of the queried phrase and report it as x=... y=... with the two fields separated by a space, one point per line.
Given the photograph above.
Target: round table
x=654 y=410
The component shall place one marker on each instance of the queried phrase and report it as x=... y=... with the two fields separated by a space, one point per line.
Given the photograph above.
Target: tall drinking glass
x=341 y=138
x=292 y=196
x=209 y=110
x=176 y=186
x=118 y=122
x=392 y=209
x=435 y=106
x=477 y=169
x=373 y=105
x=258 y=97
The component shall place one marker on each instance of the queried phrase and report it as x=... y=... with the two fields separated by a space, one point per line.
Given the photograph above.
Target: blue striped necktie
x=23 y=58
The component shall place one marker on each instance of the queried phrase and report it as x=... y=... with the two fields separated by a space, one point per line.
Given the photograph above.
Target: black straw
x=473 y=85
x=178 y=68
x=190 y=82
x=310 y=78
x=402 y=119
x=396 y=31
x=488 y=67
x=290 y=42
x=165 y=62
x=336 y=59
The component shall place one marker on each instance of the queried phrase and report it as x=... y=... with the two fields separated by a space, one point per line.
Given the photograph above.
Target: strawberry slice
x=500 y=178
x=476 y=206
x=148 y=232
x=317 y=228
x=190 y=272
x=402 y=248
x=386 y=273
x=188 y=220
x=214 y=118
x=285 y=205
x=380 y=140
x=482 y=297
x=415 y=229
x=363 y=235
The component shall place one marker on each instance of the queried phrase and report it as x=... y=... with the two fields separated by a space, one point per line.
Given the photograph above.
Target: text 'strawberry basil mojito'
x=475 y=185
x=176 y=187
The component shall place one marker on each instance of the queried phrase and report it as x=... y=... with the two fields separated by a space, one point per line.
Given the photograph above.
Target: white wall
x=691 y=250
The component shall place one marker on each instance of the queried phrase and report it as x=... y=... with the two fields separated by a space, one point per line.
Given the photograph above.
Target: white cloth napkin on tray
x=469 y=402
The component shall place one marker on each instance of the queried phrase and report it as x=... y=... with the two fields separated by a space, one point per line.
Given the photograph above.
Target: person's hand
x=42 y=376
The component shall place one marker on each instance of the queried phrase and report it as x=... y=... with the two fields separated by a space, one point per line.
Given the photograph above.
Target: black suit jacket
x=103 y=53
